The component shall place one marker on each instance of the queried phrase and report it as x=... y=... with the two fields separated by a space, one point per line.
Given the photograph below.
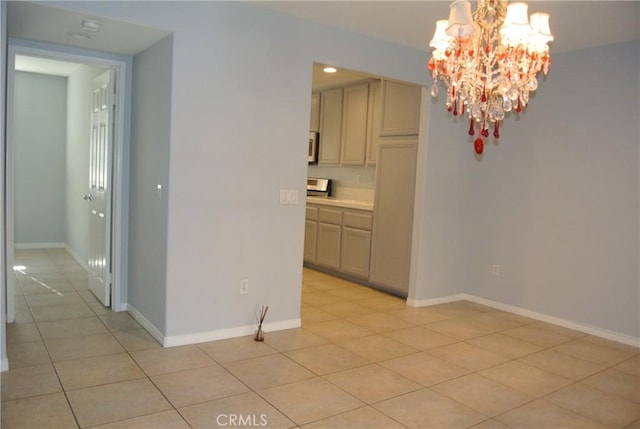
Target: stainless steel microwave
x=314 y=140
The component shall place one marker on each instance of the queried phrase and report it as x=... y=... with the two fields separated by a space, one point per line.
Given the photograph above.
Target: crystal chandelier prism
x=489 y=61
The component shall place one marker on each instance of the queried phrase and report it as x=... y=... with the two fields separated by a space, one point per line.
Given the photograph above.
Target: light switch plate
x=288 y=196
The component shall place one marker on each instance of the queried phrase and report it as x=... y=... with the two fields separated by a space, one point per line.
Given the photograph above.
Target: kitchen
x=361 y=177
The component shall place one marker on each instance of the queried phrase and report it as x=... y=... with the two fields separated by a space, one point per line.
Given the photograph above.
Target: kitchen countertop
x=350 y=204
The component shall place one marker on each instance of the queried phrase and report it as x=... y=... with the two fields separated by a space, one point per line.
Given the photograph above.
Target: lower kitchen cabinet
x=354 y=257
x=328 y=248
x=338 y=239
x=310 y=240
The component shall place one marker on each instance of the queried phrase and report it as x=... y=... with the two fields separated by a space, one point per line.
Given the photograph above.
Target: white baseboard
x=77 y=257
x=146 y=324
x=30 y=246
x=223 y=334
x=587 y=329
x=203 y=337
x=435 y=301
x=4 y=364
x=121 y=306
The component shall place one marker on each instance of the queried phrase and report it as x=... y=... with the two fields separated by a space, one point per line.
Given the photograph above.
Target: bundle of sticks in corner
x=260 y=316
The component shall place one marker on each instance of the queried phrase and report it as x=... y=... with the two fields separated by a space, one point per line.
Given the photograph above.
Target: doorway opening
x=41 y=215
x=368 y=130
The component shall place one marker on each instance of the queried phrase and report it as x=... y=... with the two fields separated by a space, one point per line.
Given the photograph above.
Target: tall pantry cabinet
x=395 y=183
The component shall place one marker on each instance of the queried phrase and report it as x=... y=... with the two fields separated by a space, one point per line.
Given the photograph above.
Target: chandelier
x=489 y=61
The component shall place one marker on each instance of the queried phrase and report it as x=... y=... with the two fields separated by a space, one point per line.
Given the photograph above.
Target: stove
x=317 y=187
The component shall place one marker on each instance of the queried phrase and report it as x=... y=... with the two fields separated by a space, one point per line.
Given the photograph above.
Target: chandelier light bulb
x=489 y=61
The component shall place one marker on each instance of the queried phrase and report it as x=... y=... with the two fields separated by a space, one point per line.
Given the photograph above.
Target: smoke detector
x=91 y=25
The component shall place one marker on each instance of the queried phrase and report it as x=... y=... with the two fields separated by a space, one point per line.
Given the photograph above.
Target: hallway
x=362 y=359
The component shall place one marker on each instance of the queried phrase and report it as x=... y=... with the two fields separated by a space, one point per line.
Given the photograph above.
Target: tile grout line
x=606 y=367
x=55 y=370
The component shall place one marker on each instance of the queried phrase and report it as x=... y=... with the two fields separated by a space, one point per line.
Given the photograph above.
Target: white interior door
x=99 y=195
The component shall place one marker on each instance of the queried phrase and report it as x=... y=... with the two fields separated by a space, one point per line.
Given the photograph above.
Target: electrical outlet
x=495 y=270
x=244 y=286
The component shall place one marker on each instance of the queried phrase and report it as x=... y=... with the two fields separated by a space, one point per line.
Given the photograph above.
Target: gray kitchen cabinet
x=354 y=124
x=355 y=252
x=356 y=243
x=400 y=109
x=342 y=239
x=373 y=120
x=314 y=122
x=329 y=241
x=310 y=234
x=329 y=237
x=310 y=240
x=330 y=126
x=393 y=215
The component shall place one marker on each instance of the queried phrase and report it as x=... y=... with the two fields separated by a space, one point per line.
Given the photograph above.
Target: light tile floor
x=362 y=359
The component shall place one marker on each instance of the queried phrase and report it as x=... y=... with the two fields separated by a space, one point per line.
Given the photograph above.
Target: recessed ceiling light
x=330 y=69
x=80 y=35
x=92 y=25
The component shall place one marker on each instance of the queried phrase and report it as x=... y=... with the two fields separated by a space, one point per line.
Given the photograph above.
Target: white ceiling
x=38 y=22
x=45 y=66
x=575 y=24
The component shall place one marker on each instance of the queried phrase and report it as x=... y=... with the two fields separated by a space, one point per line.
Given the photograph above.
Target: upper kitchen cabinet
x=373 y=120
x=354 y=124
x=400 y=114
x=354 y=119
x=330 y=126
x=314 y=123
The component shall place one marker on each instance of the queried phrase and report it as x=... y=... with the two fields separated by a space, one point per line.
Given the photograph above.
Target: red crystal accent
x=484 y=96
x=496 y=128
x=518 y=108
x=478 y=145
x=471 y=129
x=455 y=108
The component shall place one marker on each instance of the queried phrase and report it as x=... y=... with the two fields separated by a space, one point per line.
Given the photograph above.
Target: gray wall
x=40 y=136
x=557 y=202
x=149 y=167
x=239 y=121
x=554 y=203
x=79 y=104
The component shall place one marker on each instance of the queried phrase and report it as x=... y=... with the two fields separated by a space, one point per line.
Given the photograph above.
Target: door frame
x=120 y=161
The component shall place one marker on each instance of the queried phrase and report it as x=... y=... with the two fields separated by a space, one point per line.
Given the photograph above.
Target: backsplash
x=351 y=177
x=353 y=194
x=349 y=183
